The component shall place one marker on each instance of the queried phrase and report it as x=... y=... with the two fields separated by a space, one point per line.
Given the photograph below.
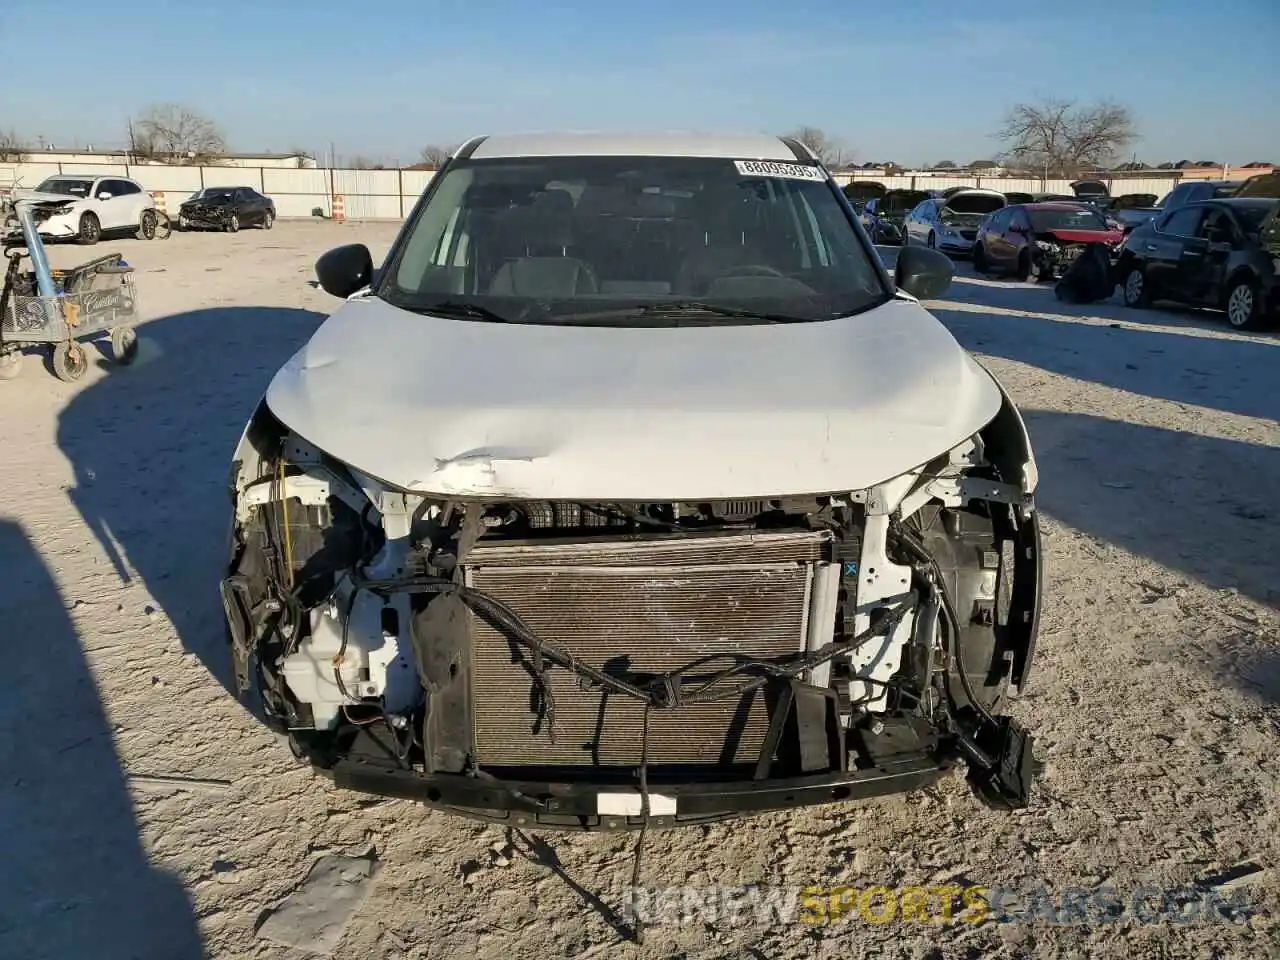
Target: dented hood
x=1066 y=235
x=609 y=413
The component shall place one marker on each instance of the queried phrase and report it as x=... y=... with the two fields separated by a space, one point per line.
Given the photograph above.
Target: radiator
x=644 y=606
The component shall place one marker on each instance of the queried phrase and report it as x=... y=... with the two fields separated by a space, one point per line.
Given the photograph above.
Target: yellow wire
x=288 y=539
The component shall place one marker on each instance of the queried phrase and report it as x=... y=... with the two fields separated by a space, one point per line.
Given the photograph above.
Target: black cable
x=938 y=587
x=637 y=919
x=664 y=692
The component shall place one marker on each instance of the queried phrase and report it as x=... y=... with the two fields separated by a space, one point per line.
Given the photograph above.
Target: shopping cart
x=60 y=309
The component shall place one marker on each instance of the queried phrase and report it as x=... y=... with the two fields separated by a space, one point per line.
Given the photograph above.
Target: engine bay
x=538 y=651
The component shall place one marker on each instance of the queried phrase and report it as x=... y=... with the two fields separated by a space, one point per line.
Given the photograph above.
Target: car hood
x=1081 y=236
x=1263 y=185
x=35 y=196
x=206 y=202
x=482 y=409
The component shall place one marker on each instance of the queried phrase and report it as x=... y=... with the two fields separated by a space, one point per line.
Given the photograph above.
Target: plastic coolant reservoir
x=375 y=664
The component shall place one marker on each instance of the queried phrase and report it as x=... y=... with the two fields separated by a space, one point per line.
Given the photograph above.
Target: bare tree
x=435 y=156
x=828 y=149
x=1060 y=138
x=11 y=148
x=175 y=134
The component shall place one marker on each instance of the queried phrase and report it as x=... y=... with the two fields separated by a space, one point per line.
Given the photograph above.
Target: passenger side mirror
x=345 y=269
x=923 y=273
x=104 y=195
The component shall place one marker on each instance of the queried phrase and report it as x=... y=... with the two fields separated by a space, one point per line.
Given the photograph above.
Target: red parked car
x=1039 y=241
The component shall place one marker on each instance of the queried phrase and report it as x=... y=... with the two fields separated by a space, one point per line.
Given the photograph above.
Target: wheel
x=90 y=230
x=69 y=361
x=933 y=241
x=10 y=364
x=1023 y=272
x=268 y=219
x=1035 y=272
x=124 y=345
x=1244 y=306
x=163 y=225
x=233 y=225
x=147 y=225
x=183 y=223
x=1136 y=293
x=979 y=257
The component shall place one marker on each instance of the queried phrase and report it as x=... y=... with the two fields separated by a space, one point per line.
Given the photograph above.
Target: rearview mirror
x=922 y=272
x=345 y=269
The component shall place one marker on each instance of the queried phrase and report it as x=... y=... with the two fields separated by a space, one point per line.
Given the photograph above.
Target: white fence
x=391 y=194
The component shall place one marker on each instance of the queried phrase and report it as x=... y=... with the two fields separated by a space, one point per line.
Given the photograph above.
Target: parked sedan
x=226 y=208
x=950 y=223
x=884 y=217
x=1215 y=253
x=1039 y=241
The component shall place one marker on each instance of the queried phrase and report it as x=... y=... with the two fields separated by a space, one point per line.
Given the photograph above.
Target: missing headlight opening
x=609 y=665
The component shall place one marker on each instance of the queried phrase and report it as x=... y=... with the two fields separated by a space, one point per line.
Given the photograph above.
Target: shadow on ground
x=1221 y=373
x=76 y=881
x=151 y=445
x=1200 y=505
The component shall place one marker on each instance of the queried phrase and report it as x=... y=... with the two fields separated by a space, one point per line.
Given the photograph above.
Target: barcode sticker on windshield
x=771 y=168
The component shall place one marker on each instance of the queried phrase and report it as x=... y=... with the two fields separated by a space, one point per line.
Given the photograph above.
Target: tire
x=933 y=241
x=69 y=361
x=1243 y=304
x=164 y=227
x=268 y=219
x=1023 y=271
x=1135 y=290
x=183 y=223
x=10 y=364
x=233 y=224
x=124 y=345
x=90 y=231
x=147 y=225
x=979 y=258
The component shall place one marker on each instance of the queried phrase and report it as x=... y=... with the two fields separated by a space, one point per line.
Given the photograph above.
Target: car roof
x=658 y=144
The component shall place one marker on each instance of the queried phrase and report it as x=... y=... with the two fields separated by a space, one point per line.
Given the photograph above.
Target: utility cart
x=60 y=309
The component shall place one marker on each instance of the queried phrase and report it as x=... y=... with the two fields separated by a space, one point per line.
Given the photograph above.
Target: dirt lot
x=1156 y=697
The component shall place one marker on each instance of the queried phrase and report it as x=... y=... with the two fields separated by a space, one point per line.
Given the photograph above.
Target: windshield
x=900 y=201
x=215 y=193
x=1078 y=218
x=66 y=187
x=554 y=239
x=969 y=209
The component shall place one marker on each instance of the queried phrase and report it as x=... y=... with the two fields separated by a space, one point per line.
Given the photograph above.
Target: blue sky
x=910 y=80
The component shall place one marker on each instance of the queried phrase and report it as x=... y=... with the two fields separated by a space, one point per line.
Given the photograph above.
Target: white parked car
x=93 y=206
x=950 y=222
x=631 y=456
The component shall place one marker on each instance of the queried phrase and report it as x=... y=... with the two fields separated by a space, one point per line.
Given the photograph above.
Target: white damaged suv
x=632 y=489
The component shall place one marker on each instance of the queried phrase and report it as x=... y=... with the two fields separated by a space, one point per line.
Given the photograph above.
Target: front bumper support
x=576 y=806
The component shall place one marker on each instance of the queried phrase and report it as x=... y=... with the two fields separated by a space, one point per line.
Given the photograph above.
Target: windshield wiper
x=685 y=308
x=464 y=310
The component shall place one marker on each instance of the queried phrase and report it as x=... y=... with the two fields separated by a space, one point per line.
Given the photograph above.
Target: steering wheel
x=752 y=270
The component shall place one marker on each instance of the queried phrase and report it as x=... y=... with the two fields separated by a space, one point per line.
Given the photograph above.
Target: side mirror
x=923 y=273
x=345 y=269
x=104 y=195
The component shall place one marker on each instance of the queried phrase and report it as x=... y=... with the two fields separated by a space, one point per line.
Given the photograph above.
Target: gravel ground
x=1156 y=696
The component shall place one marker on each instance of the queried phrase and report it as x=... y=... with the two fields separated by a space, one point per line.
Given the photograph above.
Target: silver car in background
x=949 y=222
